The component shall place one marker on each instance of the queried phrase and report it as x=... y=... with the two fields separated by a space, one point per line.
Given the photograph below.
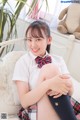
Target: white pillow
x=2 y=77
x=9 y=101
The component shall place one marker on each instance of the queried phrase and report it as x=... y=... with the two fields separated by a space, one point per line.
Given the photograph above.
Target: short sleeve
x=21 y=71
x=63 y=67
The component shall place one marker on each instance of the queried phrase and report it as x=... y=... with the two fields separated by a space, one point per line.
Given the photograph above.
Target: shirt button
x=56 y=104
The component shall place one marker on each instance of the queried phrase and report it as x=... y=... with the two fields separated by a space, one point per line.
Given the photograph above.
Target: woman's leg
x=45 y=109
x=61 y=105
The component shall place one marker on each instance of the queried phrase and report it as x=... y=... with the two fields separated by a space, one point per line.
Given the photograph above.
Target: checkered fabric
x=28 y=114
x=31 y=112
x=76 y=106
x=42 y=61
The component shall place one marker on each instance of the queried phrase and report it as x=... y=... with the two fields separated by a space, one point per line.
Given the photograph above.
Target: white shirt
x=26 y=68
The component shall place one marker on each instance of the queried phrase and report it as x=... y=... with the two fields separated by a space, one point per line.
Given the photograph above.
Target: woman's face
x=37 y=45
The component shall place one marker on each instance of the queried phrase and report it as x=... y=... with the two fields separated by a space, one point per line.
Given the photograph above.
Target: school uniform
x=26 y=70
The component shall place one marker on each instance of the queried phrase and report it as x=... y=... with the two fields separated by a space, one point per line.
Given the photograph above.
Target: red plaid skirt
x=31 y=112
x=28 y=114
x=76 y=107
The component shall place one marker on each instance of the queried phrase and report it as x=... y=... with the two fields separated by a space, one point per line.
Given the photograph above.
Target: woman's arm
x=56 y=94
x=28 y=98
x=51 y=70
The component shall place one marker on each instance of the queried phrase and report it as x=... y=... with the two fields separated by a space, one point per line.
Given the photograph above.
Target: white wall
x=74 y=62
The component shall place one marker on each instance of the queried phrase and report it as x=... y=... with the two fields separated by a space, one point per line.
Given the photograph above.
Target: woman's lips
x=35 y=50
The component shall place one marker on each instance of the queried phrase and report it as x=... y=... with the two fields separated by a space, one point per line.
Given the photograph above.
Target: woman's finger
x=51 y=93
x=65 y=76
x=58 y=95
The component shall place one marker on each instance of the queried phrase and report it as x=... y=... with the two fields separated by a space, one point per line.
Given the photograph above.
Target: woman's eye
x=39 y=39
x=29 y=40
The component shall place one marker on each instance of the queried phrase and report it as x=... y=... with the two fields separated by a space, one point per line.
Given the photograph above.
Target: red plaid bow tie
x=42 y=61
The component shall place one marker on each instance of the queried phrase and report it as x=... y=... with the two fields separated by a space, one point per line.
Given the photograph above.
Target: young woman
x=38 y=74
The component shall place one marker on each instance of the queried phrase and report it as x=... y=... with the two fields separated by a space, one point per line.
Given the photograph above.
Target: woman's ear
x=49 y=40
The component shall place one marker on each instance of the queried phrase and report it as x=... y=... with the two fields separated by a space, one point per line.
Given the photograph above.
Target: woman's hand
x=57 y=82
x=60 y=84
x=70 y=92
x=54 y=94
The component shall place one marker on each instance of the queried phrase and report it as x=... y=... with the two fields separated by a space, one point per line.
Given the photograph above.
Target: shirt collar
x=34 y=56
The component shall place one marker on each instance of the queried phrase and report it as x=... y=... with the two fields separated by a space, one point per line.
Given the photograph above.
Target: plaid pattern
x=76 y=107
x=28 y=114
x=42 y=61
x=31 y=112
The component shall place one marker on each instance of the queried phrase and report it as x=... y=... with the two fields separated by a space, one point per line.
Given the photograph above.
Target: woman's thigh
x=45 y=110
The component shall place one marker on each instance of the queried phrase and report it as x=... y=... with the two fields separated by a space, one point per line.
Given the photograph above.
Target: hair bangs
x=36 y=32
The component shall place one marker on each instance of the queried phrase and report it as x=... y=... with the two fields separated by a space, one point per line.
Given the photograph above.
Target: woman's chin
x=35 y=53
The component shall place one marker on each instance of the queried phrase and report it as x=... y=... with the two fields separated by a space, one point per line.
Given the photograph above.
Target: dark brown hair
x=39 y=25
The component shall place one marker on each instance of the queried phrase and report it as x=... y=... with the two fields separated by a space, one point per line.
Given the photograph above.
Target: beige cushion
x=9 y=100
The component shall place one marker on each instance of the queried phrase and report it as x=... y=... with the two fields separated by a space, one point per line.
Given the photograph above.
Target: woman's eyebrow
x=29 y=37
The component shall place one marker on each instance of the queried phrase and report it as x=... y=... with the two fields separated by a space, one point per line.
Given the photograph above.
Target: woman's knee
x=48 y=71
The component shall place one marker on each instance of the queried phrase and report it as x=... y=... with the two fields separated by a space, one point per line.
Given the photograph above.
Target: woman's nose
x=33 y=44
